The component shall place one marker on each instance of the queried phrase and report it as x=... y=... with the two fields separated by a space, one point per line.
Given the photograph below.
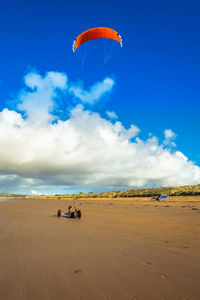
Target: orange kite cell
x=96 y=33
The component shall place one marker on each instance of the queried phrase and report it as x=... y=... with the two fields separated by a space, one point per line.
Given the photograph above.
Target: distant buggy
x=73 y=211
x=160 y=197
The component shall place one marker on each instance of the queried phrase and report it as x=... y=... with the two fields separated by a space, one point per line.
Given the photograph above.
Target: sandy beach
x=134 y=248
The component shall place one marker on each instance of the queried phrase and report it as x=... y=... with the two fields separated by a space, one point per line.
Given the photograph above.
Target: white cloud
x=33 y=192
x=84 y=151
x=37 y=99
x=111 y=114
x=95 y=92
x=170 y=136
x=181 y=156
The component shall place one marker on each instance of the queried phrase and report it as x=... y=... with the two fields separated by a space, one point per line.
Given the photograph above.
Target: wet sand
x=120 y=249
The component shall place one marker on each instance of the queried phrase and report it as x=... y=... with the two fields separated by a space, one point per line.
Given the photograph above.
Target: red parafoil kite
x=96 y=33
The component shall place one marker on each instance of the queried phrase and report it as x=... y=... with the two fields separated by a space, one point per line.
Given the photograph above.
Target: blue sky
x=156 y=73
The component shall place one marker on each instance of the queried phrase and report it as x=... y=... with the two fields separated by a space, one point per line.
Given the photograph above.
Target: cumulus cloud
x=97 y=91
x=33 y=192
x=170 y=136
x=111 y=114
x=37 y=99
x=85 y=151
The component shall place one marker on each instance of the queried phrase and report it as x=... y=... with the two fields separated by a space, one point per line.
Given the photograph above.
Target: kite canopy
x=96 y=33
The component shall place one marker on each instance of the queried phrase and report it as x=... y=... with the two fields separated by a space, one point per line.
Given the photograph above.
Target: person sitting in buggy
x=72 y=212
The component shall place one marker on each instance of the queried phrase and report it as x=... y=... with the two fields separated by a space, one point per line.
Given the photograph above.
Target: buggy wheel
x=59 y=213
x=72 y=215
x=77 y=214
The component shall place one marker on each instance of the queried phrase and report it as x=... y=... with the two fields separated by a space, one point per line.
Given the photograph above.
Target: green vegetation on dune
x=4 y=195
x=187 y=190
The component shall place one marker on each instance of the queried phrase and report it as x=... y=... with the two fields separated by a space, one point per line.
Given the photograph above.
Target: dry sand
x=120 y=249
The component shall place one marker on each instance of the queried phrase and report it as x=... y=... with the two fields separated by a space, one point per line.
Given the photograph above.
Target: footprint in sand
x=123 y=254
x=185 y=247
x=164 y=276
x=147 y=263
x=79 y=271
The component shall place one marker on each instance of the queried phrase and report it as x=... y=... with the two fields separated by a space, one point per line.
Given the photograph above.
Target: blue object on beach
x=162 y=197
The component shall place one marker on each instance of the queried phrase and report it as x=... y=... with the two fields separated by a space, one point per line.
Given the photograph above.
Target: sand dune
x=120 y=249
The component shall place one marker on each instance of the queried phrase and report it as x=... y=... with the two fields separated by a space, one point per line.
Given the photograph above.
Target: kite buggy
x=73 y=211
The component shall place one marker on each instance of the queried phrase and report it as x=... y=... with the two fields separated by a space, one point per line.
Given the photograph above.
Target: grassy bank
x=187 y=190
